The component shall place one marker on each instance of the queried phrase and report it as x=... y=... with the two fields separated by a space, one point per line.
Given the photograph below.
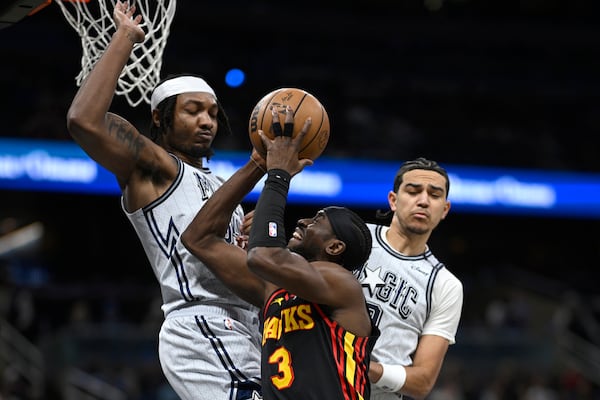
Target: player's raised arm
x=107 y=138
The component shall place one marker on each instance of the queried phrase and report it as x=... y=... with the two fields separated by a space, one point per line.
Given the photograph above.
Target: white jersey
x=408 y=297
x=209 y=342
x=183 y=279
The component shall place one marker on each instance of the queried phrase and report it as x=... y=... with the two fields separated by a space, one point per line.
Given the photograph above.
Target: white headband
x=182 y=84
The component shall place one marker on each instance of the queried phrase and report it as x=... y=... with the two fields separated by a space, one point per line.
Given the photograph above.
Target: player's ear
x=156 y=118
x=335 y=247
x=392 y=196
x=446 y=210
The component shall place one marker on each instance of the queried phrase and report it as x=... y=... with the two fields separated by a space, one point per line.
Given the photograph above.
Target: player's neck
x=407 y=243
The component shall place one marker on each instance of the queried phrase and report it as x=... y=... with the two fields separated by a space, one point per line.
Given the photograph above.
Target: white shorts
x=211 y=353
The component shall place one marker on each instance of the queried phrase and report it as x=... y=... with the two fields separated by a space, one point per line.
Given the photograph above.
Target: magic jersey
x=183 y=279
x=307 y=355
x=408 y=297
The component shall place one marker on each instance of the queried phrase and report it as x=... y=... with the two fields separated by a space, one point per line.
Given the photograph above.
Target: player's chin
x=419 y=228
x=201 y=150
x=293 y=243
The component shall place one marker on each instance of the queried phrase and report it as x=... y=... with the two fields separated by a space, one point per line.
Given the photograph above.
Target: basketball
x=304 y=105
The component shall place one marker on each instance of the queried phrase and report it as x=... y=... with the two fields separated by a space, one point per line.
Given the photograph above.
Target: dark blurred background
x=497 y=83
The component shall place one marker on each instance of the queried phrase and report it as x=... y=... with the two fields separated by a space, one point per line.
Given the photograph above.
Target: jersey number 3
x=285 y=375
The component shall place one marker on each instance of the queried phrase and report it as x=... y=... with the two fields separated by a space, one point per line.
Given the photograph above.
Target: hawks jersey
x=307 y=355
x=183 y=279
x=408 y=297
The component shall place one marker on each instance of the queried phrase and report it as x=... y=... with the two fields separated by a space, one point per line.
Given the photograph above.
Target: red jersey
x=307 y=355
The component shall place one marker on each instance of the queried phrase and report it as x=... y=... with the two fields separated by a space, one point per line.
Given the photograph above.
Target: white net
x=93 y=22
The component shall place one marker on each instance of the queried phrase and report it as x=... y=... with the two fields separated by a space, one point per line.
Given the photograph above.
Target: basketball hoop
x=93 y=22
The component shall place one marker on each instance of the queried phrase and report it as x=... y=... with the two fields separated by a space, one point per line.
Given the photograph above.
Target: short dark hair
x=420 y=163
x=352 y=230
x=166 y=111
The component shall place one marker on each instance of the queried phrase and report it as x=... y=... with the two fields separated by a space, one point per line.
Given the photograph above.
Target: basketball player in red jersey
x=316 y=331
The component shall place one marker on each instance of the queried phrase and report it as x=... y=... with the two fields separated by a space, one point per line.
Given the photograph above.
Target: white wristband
x=392 y=379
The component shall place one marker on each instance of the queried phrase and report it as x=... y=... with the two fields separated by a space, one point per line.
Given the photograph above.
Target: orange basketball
x=304 y=105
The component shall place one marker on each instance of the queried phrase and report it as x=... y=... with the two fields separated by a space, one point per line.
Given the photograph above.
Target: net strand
x=94 y=23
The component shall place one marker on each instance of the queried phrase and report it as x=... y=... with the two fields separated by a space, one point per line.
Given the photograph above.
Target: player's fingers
x=242 y=241
x=276 y=125
x=289 y=114
x=288 y=129
x=288 y=126
x=264 y=138
x=306 y=162
x=277 y=129
x=267 y=142
x=247 y=223
x=300 y=137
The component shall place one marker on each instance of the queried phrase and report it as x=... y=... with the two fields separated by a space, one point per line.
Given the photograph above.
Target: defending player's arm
x=440 y=328
x=418 y=379
x=107 y=138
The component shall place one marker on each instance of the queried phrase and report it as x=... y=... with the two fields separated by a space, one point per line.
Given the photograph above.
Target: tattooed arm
x=141 y=167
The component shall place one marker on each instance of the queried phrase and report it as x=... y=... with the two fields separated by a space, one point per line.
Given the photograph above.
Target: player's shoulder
x=375 y=229
x=449 y=280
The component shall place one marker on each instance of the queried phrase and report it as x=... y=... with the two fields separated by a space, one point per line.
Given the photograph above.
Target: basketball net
x=93 y=22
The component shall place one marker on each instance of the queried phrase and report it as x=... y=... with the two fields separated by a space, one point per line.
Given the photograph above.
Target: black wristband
x=279 y=177
x=268 y=228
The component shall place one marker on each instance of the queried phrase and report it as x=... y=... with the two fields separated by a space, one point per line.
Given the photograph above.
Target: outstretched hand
x=123 y=15
x=282 y=150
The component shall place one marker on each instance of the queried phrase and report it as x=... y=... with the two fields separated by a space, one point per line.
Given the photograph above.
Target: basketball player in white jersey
x=209 y=343
x=414 y=300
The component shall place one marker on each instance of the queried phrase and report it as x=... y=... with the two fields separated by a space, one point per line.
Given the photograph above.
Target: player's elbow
x=255 y=258
x=188 y=242
x=422 y=390
x=262 y=259
x=194 y=243
x=77 y=123
x=74 y=125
